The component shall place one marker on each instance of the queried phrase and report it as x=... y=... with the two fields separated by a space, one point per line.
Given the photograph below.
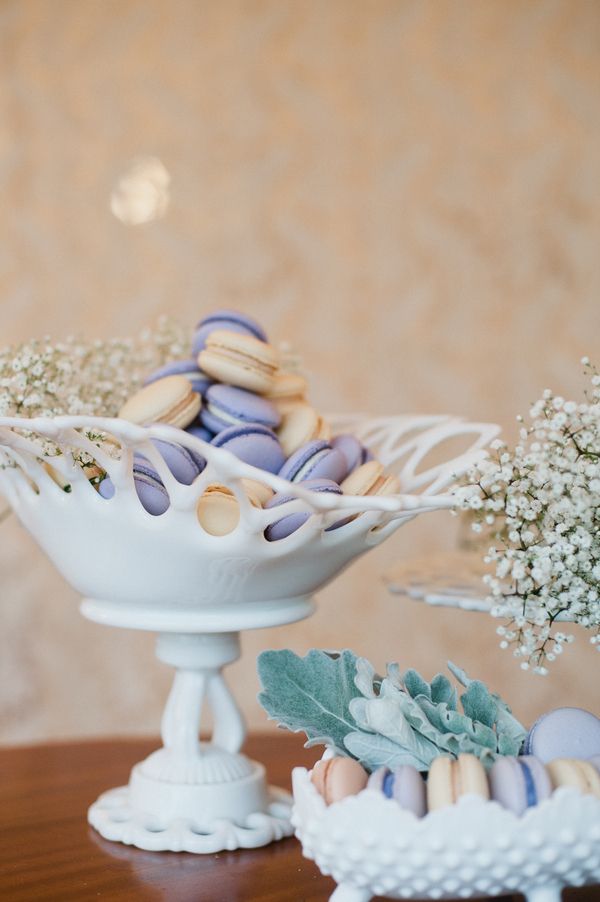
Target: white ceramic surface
x=197 y=591
x=371 y=846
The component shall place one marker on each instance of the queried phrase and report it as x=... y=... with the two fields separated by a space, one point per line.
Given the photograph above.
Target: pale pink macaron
x=337 y=778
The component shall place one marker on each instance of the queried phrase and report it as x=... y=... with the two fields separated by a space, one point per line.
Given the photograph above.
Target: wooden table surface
x=48 y=851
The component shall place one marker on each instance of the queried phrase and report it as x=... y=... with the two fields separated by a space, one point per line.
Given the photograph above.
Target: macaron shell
x=440 y=789
x=581 y=775
x=182 y=463
x=218 y=510
x=169 y=400
x=338 y=778
x=230 y=320
x=472 y=778
x=288 y=387
x=281 y=529
x=362 y=480
x=226 y=405
x=315 y=460
x=564 y=733
x=352 y=450
x=298 y=427
x=407 y=787
x=256 y=445
x=240 y=360
x=189 y=369
x=509 y=786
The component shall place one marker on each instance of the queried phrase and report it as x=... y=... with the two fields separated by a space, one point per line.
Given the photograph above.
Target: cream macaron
x=575 y=772
x=450 y=779
x=240 y=360
x=370 y=479
x=170 y=400
x=288 y=390
x=218 y=509
x=300 y=425
x=337 y=778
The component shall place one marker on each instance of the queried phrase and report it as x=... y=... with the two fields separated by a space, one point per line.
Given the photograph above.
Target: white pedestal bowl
x=371 y=846
x=197 y=591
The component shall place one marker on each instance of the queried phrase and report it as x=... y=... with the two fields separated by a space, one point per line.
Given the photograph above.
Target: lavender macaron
x=564 y=733
x=284 y=527
x=189 y=368
x=404 y=784
x=232 y=321
x=198 y=431
x=184 y=463
x=254 y=444
x=227 y=405
x=354 y=451
x=315 y=460
x=519 y=783
x=150 y=490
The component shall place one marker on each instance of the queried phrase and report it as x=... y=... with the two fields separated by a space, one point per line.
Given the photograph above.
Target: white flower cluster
x=540 y=505
x=80 y=377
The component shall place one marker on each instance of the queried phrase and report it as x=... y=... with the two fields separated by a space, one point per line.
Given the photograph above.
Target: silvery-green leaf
x=459 y=674
x=478 y=704
x=365 y=678
x=394 y=677
x=446 y=720
x=384 y=716
x=442 y=691
x=375 y=751
x=310 y=694
x=415 y=684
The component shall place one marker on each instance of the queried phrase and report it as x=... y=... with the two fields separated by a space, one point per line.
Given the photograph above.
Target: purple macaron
x=201 y=432
x=564 y=733
x=354 y=451
x=189 y=368
x=227 y=405
x=184 y=463
x=519 y=783
x=315 y=460
x=284 y=527
x=255 y=444
x=153 y=495
x=232 y=320
x=404 y=784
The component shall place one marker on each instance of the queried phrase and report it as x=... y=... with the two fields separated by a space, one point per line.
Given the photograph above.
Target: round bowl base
x=116 y=818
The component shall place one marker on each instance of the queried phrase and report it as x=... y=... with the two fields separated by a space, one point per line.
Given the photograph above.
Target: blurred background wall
x=407 y=190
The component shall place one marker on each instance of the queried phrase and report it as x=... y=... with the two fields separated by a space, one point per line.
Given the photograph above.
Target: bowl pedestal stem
x=190 y=795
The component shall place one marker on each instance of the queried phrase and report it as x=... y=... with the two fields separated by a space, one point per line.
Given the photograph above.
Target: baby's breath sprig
x=82 y=377
x=539 y=505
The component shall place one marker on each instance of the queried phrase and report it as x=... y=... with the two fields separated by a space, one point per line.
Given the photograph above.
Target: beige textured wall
x=408 y=190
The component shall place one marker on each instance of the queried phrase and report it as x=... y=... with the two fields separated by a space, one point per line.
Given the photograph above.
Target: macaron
x=258 y=490
x=226 y=405
x=337 y=778
x=288 y=390
x=519 y=783
x=218 y=510
x=184 y=463
x=315 y=460
x=150 y=490
x=354 y=451
x=170 y=400
x=564 y=733
x=573 y=772
x=199 y=431
x=300 y=425
x=240 y=360
x=404 y=784
x=189 y=369
x=370 y=479
x=450 y=779
x=254 y=444
x=284 y=527
x=232 y=321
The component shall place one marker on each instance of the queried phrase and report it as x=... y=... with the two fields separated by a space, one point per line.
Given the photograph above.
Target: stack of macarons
x=561 y=749
x=233 y=393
